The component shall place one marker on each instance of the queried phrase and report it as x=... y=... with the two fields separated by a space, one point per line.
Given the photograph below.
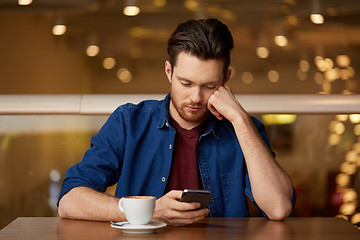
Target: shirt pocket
x=232 y=177
x=234 y=193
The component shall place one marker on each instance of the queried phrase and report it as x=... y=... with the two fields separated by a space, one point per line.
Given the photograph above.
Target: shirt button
x=170 y=146
x=167 y=124
x=163 y=179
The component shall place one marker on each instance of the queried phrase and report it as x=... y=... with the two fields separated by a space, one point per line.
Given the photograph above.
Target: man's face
x=192 y=81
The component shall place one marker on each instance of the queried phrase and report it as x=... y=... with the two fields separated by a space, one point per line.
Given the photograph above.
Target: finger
x=213 y=111
x=187 y=206
x=193 y=216
x=184 y=218
x=196 y=213
x=186 y=210
x=183 y=206
x=228 y=88
x=174 y=194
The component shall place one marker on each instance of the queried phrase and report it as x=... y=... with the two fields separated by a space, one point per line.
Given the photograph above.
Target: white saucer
x=138 y=229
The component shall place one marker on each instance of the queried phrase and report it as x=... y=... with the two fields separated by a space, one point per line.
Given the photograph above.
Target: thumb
x=174 y=194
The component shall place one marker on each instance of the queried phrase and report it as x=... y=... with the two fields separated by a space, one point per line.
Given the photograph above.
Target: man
x=198 y=137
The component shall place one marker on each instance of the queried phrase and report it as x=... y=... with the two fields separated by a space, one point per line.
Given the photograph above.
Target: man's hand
x=170 y=210
x=224 y=104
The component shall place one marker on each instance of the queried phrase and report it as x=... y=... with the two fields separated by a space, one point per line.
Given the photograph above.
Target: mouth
x=194 y=108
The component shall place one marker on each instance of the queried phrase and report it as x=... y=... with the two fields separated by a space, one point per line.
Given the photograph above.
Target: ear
x=227 y=76
x=168 y=70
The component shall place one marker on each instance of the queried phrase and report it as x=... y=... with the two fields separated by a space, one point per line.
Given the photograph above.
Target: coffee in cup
x=138 y=210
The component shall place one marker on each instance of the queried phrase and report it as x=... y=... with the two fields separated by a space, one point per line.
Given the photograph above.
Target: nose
x=196 y=95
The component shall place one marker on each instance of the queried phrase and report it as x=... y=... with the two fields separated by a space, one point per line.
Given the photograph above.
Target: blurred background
x=119 y=47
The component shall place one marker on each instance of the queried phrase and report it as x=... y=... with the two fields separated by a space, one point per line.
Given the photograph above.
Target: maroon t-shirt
x=184 y=173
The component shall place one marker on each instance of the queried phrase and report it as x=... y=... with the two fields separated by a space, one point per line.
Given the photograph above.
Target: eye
x=186 y=84
x=211 y=87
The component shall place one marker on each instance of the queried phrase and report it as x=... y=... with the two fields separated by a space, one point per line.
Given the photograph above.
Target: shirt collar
x=164 y=118
x=212 y=121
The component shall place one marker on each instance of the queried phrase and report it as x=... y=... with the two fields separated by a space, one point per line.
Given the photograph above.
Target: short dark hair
x=204 y=38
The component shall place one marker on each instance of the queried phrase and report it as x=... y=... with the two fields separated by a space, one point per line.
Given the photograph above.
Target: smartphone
x=201 y=196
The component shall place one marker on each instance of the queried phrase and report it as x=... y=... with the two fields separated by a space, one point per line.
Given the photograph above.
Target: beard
x=189 y=116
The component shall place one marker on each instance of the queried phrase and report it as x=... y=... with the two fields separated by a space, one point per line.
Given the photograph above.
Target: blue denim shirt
x=134 y=149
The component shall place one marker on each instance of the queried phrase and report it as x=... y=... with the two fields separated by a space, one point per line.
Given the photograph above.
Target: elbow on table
x=63 y=209
x=281 y=212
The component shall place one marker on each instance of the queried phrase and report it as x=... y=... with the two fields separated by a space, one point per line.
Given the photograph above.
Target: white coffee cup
x=138 y=210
